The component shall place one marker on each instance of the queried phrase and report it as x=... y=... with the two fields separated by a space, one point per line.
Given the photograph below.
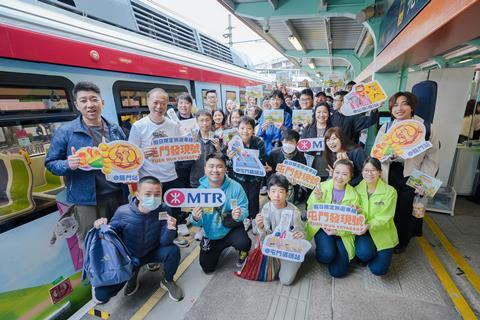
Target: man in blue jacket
x=223 y=226
x=93 y=196
x=147 y=229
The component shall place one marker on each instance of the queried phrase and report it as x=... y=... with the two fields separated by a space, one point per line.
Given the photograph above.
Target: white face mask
x=289 y=148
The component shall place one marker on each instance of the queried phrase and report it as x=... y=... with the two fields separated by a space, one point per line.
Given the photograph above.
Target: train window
x=28 y=99
x=131 y=97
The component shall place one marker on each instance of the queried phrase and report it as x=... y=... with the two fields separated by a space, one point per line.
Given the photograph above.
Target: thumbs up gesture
x=73 y=160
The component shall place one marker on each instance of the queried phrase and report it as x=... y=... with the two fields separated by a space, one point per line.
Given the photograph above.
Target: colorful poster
x=255 y=91
x=189 y=127
x=363 y=97
x=420 y=179
x=191 y=198
x=405 y=138
x=311 y=144
x=228 y=134
x=119 y=160
x=298 y=173
x=171 y=149
x=285 y=248
x=245 y=161
x=273 y=116
x=302 y=117
x=335 y=216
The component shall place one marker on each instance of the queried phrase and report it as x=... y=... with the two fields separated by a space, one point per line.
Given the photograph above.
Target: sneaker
x=94 y=297
x=183 y=230
x=241 y=258
x=174 y=291
x=154 y=266
x=263 y=191
x=182 y=243
x=132 y=285
x=199 y=235
x=247 y=224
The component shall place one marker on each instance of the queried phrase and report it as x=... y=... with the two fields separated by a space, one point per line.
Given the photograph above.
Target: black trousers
x=252 y=189
x=407 y=225
x=183 y=174
x=237 y=238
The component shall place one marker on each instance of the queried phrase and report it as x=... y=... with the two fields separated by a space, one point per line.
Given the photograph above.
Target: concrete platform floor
x=411 y=290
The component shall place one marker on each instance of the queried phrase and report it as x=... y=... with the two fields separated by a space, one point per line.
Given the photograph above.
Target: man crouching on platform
x=147 y=229
x=223 y=226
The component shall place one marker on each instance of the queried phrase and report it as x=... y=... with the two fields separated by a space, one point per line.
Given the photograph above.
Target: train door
x=201 y=89
x=230 y=93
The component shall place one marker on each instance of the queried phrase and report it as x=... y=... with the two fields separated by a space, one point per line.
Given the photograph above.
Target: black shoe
x=132 y=285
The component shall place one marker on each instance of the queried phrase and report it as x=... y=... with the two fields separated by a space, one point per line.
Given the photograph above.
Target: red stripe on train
x=34 y=46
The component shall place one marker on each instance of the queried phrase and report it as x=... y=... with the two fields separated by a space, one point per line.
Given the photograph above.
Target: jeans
x=168 y=255
x=331 y=251
x=378 y=261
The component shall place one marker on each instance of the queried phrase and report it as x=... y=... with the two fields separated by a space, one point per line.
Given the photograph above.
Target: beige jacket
x=427 y=161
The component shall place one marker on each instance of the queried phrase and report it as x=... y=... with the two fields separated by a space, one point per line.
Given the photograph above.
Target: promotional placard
x=335 y=216
x=170 y=149
x=228 y=134
x=311 y=144
x=273 y=116
x=405 y=138
x=255 y=91
x=245 y=161
x=363 y=97
x=300 y=173
x=119 y=160
x=191 y=198
x=302 y=117
x=188 y=126
x=420 y=179
x=285 y=248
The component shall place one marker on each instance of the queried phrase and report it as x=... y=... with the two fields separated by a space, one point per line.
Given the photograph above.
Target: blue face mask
x=151 y=203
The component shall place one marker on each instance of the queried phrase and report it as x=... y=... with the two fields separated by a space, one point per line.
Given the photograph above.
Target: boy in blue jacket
x=147 y=230
x=223 y=226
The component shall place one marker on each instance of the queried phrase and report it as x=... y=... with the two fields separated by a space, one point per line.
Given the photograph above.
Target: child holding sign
x=280 y=215
x=335 y=248
x=378 y=201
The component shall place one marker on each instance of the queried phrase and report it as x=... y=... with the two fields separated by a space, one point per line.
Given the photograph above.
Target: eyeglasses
x=337 y=99
x=370 y=171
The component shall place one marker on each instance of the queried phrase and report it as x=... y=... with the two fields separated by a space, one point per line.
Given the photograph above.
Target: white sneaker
x=199 y=235
x=181 y=242
x=183 y=230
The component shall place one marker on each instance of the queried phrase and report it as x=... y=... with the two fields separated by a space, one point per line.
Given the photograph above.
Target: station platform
x=436 y=278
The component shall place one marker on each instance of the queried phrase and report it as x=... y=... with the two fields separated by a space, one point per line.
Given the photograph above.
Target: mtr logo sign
x=190 y=198
x=310 y=144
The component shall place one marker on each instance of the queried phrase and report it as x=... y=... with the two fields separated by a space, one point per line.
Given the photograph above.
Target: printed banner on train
x=245 y=161
x=298 y=173
x=311 y=144
x=285 y=248
x=335 y=216
x=191 y=198
x=405 y=138
x=119 y=160
x=273 y=116
x=420 y=179
x=170 y=149
x=302 y=117
x=363 y=97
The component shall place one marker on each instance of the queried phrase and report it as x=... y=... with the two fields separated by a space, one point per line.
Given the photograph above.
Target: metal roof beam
x=293 y=32
x=300 y=9
x=274 y=4
x=324 y=69
x=329 y=40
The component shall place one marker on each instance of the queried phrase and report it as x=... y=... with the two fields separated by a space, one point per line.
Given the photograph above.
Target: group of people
x=349 y=177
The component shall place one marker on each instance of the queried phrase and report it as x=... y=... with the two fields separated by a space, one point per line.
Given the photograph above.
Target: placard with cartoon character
x=245 y=161
x=275 y=117
x=405 y=138
x=298 y=173
x=119 y=160
x=171 y=149
x=363 y=97
x=336 y=216
x=302 y=117
x=254 y=91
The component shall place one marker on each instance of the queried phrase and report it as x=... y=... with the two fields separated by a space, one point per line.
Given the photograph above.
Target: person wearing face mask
x=147 y=229
x=288 y=151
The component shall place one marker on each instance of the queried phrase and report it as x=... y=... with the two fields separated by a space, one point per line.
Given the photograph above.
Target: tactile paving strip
x=290 y=302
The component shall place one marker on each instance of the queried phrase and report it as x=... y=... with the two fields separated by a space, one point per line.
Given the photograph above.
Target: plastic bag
x=419 y=205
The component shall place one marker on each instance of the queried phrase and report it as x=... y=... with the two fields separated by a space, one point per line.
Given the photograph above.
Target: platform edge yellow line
x=158 y=294
x=457 y=298
x=472 y=277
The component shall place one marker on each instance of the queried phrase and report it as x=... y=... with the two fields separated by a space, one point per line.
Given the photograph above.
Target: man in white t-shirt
x=153 y=126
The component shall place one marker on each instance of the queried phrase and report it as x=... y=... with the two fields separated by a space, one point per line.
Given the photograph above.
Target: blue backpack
x=107 y=260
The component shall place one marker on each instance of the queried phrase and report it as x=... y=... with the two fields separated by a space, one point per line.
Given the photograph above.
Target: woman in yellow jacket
x=377 y=201
x=334 y=248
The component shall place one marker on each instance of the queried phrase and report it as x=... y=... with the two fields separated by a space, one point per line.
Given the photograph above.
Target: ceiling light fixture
x=295 y=43
x=465 y=60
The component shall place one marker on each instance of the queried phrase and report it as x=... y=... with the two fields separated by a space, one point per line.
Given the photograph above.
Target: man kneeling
x=223 y=226
x=147 y=230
